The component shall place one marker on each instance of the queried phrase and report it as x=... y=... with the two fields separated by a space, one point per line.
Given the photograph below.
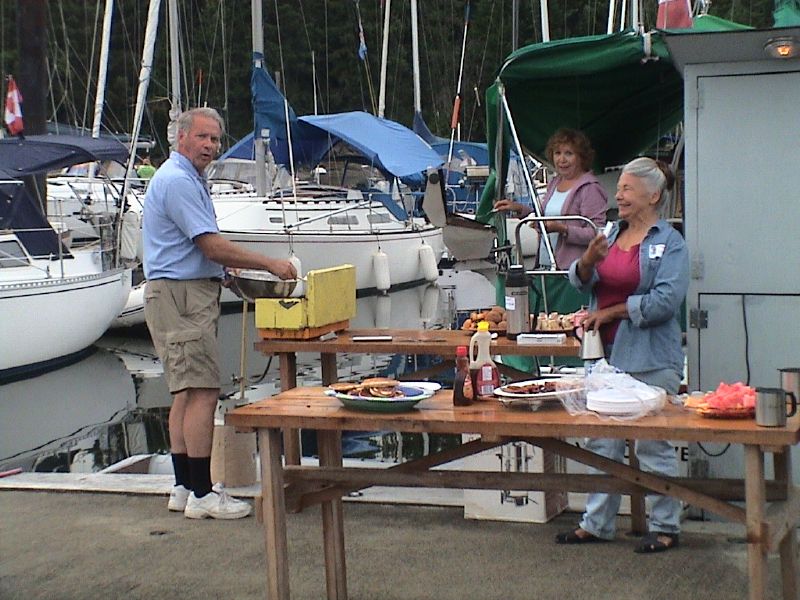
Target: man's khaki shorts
x=182 y=317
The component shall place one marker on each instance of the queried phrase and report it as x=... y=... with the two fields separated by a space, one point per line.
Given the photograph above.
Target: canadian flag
x=674 y=14
x=13 y=108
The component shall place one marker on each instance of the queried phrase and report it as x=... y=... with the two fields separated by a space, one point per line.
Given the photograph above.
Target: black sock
x=180 y=464
x=200 y=475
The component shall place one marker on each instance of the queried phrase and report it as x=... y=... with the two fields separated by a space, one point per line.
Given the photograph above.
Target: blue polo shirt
x=177 y=208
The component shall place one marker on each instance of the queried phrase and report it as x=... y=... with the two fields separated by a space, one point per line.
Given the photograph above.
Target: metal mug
x=790 y=380
x=771 y=406
x=592 y=345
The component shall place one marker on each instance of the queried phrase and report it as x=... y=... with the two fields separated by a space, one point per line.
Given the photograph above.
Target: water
x=114 y=403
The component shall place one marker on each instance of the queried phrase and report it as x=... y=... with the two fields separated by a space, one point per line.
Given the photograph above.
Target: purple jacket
x=587 y=198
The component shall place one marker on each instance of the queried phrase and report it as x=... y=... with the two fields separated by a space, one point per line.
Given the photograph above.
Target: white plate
x=428 y=386
x=503 y=392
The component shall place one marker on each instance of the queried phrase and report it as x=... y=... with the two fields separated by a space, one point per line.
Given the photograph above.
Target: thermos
x=517 y=308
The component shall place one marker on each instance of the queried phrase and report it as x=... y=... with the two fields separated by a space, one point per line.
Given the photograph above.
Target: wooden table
x=769 y=528
x=436 y=342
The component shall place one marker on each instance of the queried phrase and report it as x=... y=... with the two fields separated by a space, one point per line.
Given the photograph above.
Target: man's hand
x=282 y=268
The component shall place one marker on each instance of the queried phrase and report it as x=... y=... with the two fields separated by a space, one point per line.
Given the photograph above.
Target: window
x=12 y=254
x=377 y=218
x=343 y=220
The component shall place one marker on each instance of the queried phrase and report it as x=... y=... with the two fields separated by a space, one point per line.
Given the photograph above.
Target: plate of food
x=379 y=394
x=553 y=323
x=495 y=316
x=532 y=393
x=728 y=401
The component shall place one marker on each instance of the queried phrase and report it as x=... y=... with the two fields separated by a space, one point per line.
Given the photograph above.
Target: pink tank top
x=619 y=278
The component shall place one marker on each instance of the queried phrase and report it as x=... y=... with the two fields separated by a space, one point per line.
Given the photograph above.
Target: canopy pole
x=537 y=208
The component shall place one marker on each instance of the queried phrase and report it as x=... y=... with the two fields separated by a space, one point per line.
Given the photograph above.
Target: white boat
x=54 y=303
x=328 y=226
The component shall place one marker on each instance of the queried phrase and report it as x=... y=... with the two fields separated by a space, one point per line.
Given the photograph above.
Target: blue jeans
x=655 y=456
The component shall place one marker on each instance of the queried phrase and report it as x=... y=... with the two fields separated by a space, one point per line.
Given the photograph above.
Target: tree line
x=311 y=48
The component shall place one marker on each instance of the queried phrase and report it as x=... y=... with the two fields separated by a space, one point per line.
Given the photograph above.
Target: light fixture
x=782 y=47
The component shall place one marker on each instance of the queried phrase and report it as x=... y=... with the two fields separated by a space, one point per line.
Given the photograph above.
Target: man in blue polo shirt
x=184 y=255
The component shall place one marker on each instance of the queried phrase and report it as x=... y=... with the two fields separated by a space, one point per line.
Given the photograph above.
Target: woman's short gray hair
x=656 y=174
x=186 y=119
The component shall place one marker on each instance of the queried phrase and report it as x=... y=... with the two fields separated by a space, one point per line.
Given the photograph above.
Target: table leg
x=782 y=463
x=274 y=512
x=757 y=538
x=329 y=374
x=291 y=437
x=638 y=508
x=330 y=455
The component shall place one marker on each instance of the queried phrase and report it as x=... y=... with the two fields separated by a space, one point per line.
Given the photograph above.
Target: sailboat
x=368 y=227
x=54 y=302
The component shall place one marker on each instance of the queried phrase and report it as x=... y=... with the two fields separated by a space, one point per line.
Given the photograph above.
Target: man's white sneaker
x=177 y=498
x=216 y=505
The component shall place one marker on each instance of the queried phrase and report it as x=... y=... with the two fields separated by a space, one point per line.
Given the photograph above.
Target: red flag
x=674 y=14
x=13 y=108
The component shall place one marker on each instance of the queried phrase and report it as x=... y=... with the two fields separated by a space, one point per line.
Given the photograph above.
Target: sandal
x=572 y=537
x=650 y=544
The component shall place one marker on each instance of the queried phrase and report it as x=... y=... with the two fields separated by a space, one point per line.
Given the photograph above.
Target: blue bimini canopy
x=38 y=154
x=394 y=149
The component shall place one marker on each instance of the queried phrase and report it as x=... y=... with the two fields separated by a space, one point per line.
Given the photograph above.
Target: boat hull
x=57 y=318
x=319 y=251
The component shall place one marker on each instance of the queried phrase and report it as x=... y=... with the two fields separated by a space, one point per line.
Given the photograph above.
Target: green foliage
x=216 y=40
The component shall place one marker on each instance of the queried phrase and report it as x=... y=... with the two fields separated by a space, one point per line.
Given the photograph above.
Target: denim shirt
x=650 y=338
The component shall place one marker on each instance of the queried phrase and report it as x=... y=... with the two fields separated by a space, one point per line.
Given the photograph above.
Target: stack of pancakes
x=374 y=387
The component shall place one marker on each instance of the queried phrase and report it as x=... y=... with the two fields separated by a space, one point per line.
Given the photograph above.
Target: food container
x=250 y=284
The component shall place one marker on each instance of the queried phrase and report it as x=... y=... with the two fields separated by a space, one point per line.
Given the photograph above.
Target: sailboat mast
x=545 y=18
x=415 y=57
x=102 y=72
x=256 y=18
x=175 y=73
x=144 y=82
x=384 y=59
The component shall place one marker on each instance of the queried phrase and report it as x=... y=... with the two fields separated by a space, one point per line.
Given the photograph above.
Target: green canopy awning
x=622 y=90
x=622 y=97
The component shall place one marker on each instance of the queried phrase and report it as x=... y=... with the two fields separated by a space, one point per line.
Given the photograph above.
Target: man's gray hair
x=185 y=120
x=655 y=179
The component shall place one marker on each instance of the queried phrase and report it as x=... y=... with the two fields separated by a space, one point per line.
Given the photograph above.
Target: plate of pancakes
x=378 y=394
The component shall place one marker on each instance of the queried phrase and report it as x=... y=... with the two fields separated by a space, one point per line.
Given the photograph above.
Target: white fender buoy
x=427 y=263
x=429 y=304
x=380 y=264
x=383 y=311
x=299 y=290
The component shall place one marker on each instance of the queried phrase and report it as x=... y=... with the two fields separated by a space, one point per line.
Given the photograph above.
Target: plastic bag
x=612 y=394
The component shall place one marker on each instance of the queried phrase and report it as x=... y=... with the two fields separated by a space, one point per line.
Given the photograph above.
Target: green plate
x=411 y=396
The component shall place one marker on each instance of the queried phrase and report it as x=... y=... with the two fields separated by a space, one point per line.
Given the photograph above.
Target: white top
x=552 y=209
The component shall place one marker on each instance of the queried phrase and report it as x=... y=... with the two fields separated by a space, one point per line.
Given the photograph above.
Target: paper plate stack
x=625 y=401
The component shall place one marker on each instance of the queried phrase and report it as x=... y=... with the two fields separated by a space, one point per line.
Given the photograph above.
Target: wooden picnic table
x=770 y=528
x=436 y=342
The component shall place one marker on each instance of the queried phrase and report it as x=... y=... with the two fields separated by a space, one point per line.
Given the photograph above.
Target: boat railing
x=554 y=270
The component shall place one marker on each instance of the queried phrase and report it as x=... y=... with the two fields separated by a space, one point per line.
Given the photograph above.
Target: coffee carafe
x=517 y=308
